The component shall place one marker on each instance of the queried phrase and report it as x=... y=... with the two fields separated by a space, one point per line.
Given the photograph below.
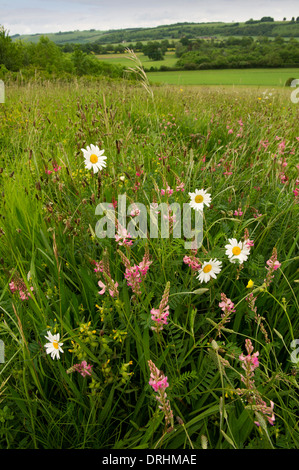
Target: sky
x=51 y=16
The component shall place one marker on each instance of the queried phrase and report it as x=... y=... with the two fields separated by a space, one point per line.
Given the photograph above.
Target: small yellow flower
x=250 y=284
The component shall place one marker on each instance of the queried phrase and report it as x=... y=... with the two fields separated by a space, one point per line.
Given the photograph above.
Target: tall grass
x=225 y=140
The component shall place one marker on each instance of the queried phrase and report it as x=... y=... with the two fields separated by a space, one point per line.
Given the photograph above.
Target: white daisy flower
x=94 y=158
x=237 y=251
x=199 y=199
x=209 y=269
x=53 y=347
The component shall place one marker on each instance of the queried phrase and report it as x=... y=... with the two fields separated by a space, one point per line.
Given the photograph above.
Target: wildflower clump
x=123 y=372
x=135 y=274
x=17 y=285
x=86 y=335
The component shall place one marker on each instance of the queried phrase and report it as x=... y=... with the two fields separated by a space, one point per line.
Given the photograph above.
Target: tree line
x=237 y=52
x=48 y=59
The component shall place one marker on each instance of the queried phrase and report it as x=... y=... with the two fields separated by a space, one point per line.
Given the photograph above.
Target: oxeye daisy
x=94 y=158
x=237 y=251
x=199 y=199
x=209 y=269
x=53 y=347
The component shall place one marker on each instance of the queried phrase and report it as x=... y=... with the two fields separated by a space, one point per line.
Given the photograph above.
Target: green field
x=249 y=77
x=255 y=77
x=123 y=59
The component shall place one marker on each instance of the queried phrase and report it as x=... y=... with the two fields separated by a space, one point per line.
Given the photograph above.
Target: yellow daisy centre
x=93 y=158
x=207 y=268
x=236 y=250
x=198 y=198
x=55 y=344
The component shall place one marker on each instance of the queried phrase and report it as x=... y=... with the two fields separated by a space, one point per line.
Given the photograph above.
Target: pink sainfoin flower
x=256 y=213
x=281 y=147
x=266 y=410
x=283 y=163
x=144 y=264
x=192 y=262
x=159 y=315
x=283 y=178
x=18 y=285
x=83 y=368
x=180 y=187
x=238 y=212
x=136 y=274
x=123 y=237
x=135 y=211
x=158 y=381
x=227 y=306
x=272 y=265
x=98 y=266
x=55 y=169
x=112 y=288
x=249 y=243
x=170 y=218
x=153 y=208
x=103 y=268
x=167 y=191
x=249 y=364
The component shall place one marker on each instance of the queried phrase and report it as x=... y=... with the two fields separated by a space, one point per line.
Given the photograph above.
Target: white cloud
x=45 y=16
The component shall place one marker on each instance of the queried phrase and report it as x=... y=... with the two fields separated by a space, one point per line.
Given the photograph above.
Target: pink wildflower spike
x=168 y=191
x=159 y=315
x=249 y=243
x=135 y=211
x=158 y=381
x=227 y=306
x=12 y=287
x=123 y=237
x=18 y=285
x=136 y=274
x=98 y=266
x=193 y=262
x=111 y=285
x=273 y=264
x=83 y=368
x=180 y=187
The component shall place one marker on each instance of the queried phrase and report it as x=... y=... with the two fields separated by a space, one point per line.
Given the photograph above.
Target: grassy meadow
x=148 y=356
x=244 y=77
x=124 y=59
x=248 y=77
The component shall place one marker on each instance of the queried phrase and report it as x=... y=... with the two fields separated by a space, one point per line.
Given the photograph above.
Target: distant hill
x=175 y=31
